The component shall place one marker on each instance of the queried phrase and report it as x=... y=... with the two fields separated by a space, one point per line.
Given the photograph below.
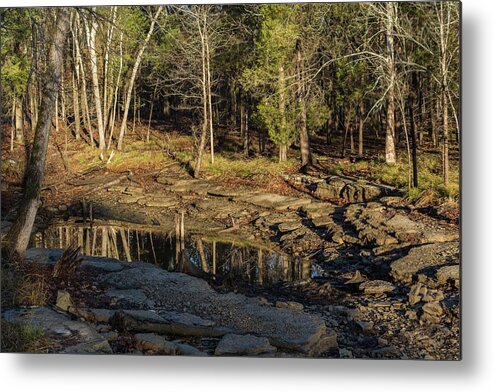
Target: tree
x=133 y=75
x=19 y=234
x=269 y=77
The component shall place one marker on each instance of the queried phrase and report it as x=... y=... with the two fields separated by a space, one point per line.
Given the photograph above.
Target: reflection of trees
x=220 y=261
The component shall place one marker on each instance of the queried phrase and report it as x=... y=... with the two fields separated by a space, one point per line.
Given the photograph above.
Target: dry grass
x=17 y=338
x=25 y=285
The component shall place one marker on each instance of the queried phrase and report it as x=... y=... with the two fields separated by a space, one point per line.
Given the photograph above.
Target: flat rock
x=377 y=287
x=449 y=272
x=432 y=256
x=132 y=297
x=200 y=187
x=232 y=344
x=289 y=305
x=180 y=293
x=130 y=199
x=286 y=227
x=274 y=201
x=165 y=322
x=59 y=326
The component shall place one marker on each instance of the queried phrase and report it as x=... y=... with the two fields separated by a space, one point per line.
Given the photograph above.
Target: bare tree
x=131 y=82
x=19 y=235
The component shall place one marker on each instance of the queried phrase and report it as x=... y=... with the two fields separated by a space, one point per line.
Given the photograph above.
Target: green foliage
x=15 y=37
x=280 y=126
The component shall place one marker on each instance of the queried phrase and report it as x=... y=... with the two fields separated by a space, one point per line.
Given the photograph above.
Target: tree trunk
x=208 y=66
x=86 y=117
x=19 y=121
x=283 y=148
x=115 y=98
x=75 y=94
x=18 y=236
x=283 y=153
x=306 y=154
x=91 y=43
x=390 y=157
x=203 y=136
x=360 y=129
x=138 y=59
x=414 y=147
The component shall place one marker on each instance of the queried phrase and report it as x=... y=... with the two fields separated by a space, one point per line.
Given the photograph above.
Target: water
x=223 y=261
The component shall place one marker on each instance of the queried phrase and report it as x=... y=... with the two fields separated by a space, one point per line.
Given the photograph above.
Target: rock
x=424 y=257
x=64 y=301
x=415 y=294
x=432 y=312
x=289 y=305
x=338 y=187
x=365 y=325
x=285 y=328
x=274 y=201
x=155 y=343
x=165 y=322
x=411 y=315
x=97 y=315
x=131 y=297
x=323 y=222
x=188 y=350
x=58 y=326
x=232 y=344
x=357 y=278
x=110 y=336
x=377 y=287
x=286 y=227
x=449 y=273
x=130 y=199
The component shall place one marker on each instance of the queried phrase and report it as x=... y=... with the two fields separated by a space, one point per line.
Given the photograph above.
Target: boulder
x=232 y=344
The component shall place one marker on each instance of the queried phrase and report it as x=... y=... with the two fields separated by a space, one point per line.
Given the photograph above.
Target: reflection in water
x=223 y=261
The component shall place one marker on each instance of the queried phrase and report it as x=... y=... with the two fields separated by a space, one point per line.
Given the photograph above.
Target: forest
x=327 y=133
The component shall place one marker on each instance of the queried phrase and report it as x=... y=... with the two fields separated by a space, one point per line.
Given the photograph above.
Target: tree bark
x=390 y=157
x=19 y=235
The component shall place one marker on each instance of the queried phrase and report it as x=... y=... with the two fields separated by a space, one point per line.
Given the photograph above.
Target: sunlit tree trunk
x=91 y=28
x=390 y=156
